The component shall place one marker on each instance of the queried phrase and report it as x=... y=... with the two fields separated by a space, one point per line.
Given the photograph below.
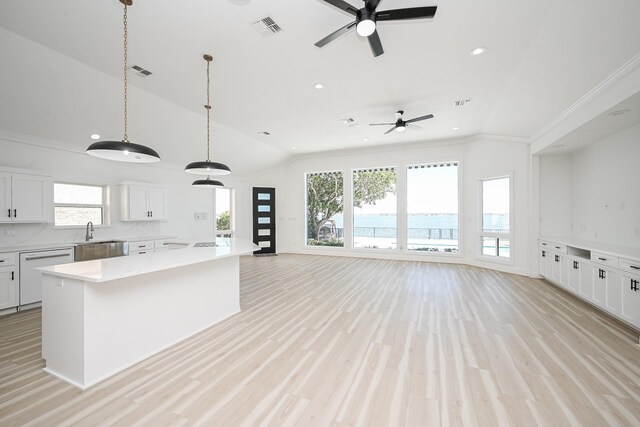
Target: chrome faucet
x=89 y=235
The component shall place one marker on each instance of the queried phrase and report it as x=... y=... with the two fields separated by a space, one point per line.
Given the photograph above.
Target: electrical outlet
x=200 y=216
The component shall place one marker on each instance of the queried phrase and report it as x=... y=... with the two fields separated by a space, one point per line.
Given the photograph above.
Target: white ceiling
x=542 y=56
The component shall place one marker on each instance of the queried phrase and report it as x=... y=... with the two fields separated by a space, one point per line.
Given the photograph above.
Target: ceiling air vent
x=349 y=121
x=461 y=102
x=140 y=71
x=266 y=26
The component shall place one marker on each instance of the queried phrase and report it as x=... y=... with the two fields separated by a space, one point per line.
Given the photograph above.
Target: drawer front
x=545 y=244
x=604 y=259
x=630 y=265
x=557 y=247
x=161 y=244
x=7 y=259
x=141 y=252
x=141 y=246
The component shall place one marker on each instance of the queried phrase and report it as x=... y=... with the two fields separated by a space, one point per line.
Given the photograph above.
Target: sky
x=429 y=190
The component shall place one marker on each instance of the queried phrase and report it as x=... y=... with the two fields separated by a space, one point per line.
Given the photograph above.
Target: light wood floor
x=339 y=341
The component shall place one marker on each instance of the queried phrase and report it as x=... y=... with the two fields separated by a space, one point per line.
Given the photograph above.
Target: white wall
x=594 y=193
x=77 y=167
x=556 y=184
x=606 y=184
x=479 y=158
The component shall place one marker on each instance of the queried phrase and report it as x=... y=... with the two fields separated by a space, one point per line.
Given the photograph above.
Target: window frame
x=232 y=223
x=506 y=236
x=460 y=188
x=106 y=212
x=344 y=208
x=399 y=246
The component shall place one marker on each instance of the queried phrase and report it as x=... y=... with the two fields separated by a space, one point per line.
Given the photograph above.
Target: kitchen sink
x=99 y=250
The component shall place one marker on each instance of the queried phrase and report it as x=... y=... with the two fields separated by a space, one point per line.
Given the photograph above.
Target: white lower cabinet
x=8 y=281
x=603 y=279
x=559 y=269
x=630 y=287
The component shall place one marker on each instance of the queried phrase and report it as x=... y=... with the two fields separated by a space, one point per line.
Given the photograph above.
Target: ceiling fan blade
x=382 y=124
x=343 y=5
x=417 y=119
x=337 y=33
x=409 y=13
x=413 y=126
x=391 y=130
x=376 y=44
x=371 y=5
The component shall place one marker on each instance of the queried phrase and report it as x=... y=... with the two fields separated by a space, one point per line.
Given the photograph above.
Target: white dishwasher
x=30 y=279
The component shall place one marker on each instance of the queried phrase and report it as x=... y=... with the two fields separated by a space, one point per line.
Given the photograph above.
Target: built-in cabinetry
x=149 y=246
x=605 y=279
x=25 y=197
x=142 y=202
x=9 y=280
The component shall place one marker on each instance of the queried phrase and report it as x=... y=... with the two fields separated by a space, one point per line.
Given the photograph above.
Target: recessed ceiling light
x=318 y=85
x=95 y=136
x=478 y=51
x=293 y=148
x=619 y=112
x=365 y=139
x=455 y=128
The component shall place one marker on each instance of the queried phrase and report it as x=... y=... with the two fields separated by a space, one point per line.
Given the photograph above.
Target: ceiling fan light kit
x=207 y=167
x=366 y=20
x=124 y=151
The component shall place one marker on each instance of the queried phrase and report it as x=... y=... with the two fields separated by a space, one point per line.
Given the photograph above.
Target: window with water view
x=325 y=206
x=496 y=227
x=432 y=207
x=375 y=208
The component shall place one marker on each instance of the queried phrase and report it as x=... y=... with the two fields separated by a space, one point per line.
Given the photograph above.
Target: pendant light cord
x=126 y=37
x=208 y=107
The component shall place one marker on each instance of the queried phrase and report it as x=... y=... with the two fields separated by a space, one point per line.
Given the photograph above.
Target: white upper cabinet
x=140 y=202
x=25 y=198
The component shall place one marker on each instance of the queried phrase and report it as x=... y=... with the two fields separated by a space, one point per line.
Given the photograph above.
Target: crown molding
x=618 y=86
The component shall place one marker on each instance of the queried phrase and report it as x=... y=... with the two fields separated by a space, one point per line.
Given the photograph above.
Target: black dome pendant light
x=208 y=167
x=124 y=151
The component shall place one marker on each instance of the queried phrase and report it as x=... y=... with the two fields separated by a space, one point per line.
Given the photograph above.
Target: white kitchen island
x=101 y=317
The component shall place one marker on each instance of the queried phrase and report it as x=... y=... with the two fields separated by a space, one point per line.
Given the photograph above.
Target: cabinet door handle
x=602 y=259
x=15 y=213
x=557 y=258
x=557 y=247
x=635 y=267
x=151 y=214
x=13 y=275
x=575 y=265
x=544 y=254
x=9 y=210
x=1 y=260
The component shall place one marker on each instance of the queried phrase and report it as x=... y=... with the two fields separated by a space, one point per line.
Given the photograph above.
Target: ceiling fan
x=367 y=17
x=401 y=125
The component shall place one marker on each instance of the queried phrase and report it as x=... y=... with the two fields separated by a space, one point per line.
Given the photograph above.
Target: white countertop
x=614 y=250
x=47 y=246
x=104 y=270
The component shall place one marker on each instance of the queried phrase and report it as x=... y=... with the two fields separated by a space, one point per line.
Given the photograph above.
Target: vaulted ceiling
x=541 y=57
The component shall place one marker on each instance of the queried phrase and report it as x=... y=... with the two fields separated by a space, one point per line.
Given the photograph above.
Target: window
x=375 y=208
x=496 y=219
x=325 y=207
x=224 y=212
x=432 y=207
x=77 y=204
